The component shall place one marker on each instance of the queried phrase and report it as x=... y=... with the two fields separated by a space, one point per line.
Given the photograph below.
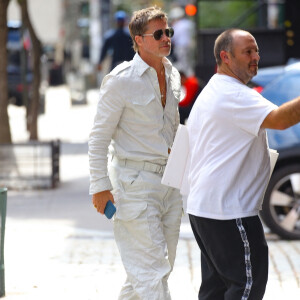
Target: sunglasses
x=157 y=35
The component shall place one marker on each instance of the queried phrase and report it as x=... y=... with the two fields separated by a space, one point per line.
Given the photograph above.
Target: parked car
x=19 y=75
x=19 y=66
x=281 y=208
x=266 y=75
x=17 y=85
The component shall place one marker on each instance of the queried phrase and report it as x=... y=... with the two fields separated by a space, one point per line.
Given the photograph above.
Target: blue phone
x=109 y=210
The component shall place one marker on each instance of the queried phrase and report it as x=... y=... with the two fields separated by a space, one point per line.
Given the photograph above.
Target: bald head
x=226 y=42
x=237 y=54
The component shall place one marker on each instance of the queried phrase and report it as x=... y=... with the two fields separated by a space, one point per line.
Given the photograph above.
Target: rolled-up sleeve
x=108 y=114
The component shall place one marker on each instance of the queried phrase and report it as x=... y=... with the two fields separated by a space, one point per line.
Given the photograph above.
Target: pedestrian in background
x=230 y=169
x=191 y=89
x=183 y=41
x=117 y=43
x=137 y=116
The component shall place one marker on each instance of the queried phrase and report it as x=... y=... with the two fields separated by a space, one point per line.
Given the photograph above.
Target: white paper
x=185 y=187
x=273 y=158
x=176 y=165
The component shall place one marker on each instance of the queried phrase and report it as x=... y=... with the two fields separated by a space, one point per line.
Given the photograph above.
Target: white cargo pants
x=146 y=228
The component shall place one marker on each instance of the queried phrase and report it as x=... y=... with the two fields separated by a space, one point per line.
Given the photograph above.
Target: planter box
x=32 y=165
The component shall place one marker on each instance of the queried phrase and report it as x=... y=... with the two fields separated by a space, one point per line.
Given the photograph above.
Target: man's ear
x=224 y=56
x=138 y=39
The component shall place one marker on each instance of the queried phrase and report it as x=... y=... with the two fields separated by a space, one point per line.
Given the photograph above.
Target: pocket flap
x=143 y=99
x=130 y=211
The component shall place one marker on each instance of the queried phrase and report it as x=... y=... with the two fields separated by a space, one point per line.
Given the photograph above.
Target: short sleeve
x=250 y=109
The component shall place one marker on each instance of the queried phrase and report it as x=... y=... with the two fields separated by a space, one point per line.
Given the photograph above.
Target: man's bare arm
x=285 y=116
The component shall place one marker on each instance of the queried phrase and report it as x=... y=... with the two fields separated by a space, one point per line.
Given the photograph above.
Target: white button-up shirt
x=131 y=119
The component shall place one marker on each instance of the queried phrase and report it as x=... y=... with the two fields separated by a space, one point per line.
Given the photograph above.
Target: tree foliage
x=222 y=14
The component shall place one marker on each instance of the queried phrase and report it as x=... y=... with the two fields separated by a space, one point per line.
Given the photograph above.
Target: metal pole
x=3 y=202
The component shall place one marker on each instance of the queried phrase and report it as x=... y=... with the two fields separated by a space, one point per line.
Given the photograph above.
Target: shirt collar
x=141 y=67
x=168 y=66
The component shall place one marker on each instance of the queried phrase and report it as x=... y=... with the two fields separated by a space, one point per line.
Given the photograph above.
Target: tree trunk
x=32 y=115
x=5 y=134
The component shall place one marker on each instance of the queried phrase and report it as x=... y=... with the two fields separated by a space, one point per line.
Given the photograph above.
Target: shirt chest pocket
x=145 y=108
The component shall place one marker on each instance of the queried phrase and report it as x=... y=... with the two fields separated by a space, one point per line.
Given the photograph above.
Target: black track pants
x=234 y=258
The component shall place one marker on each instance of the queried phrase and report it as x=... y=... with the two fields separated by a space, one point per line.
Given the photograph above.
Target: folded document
x=175 y=174
x=273 y=158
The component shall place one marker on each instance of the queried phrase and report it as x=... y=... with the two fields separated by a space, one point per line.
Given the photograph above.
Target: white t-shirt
x=230 y=165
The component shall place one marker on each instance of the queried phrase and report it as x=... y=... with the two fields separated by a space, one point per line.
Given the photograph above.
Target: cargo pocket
x=131 y=226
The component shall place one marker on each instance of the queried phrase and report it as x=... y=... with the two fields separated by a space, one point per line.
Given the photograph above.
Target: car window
x=283 y=88
x=266 y=75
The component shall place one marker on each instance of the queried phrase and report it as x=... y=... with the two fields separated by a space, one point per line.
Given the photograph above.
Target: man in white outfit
x=230 y=168
x=137 y=116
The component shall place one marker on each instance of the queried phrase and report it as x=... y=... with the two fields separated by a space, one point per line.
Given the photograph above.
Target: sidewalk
x=51 y=260
x=53 y=250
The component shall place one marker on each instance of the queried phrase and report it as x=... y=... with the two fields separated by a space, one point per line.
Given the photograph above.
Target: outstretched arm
x=283 y=117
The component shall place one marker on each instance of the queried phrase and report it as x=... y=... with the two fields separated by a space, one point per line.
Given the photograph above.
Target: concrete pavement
x=57 y=247
x=49 y=260
x=52 y=259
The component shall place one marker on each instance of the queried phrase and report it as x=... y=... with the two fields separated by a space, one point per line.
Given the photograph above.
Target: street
x=58 y=247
